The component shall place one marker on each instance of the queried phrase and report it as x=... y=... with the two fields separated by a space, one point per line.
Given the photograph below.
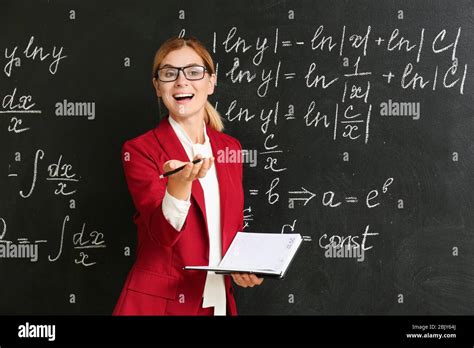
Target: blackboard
x=359 y=115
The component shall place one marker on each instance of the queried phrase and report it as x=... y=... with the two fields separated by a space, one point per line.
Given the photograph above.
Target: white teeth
x=182 y=95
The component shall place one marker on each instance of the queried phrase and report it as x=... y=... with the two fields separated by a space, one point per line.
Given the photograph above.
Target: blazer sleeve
x=147 y=191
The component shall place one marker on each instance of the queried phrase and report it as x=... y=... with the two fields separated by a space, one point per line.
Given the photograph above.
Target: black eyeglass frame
x=205 y=70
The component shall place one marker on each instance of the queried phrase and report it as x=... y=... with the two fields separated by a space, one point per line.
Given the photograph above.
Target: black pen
x=178 y=169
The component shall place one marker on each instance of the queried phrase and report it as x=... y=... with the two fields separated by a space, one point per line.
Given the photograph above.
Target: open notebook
x=264 y=254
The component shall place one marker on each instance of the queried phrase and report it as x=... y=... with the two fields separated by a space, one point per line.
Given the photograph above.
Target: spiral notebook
x=266 y=255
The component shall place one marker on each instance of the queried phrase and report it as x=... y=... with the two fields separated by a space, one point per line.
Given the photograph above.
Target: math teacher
x=191 y=216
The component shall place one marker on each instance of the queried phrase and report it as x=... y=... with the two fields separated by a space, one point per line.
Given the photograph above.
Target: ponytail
x=212 y=118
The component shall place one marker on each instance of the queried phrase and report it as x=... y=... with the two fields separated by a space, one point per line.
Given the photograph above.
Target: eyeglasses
x=192 y=73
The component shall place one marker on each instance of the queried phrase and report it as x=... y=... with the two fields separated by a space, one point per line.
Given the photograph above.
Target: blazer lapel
x=175 y=150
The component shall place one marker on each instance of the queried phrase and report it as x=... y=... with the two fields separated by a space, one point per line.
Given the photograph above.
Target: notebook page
x=258 y=251
x=292 y=245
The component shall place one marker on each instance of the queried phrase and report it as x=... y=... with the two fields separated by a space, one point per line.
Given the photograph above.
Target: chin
x=183 y=115
x=187 y=113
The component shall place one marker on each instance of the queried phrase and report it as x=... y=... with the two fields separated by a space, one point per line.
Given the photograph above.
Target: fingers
x=185 y=174
x=238 y=280
x=200 y=169
x=206 y=165
x=255 y=280
x=191 y=171
x=172 y=164
x=246 y=280
x=195 y=169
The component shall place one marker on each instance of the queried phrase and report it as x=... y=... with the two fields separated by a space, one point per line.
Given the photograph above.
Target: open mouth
x=183 y=96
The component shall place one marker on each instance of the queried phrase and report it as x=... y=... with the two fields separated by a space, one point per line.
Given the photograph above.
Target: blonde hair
x=212 y=117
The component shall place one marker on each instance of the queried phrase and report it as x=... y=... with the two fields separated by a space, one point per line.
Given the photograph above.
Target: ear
x=157 y=87
x=212 y=83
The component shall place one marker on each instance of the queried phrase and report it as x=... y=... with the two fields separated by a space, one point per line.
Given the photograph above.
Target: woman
x=191 y=217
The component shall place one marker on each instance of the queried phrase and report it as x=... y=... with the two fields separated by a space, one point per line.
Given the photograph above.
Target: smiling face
x=184 y=98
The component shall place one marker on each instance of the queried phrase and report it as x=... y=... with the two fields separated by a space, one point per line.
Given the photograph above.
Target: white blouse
x=176 y=210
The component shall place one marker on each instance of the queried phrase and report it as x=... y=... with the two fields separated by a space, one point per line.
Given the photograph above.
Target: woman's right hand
x=180 y=183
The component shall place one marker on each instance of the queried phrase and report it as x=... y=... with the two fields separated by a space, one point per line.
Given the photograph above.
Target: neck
x=193 y=126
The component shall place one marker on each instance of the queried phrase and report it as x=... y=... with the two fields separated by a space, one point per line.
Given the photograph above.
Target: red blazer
x=157 y=283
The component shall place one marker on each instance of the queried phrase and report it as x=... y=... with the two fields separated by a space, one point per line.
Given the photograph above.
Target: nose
x=181 y=80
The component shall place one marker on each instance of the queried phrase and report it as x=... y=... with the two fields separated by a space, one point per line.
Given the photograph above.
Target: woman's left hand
x=246 y=279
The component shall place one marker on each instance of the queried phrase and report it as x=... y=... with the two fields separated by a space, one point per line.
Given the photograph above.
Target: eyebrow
x=171 y=66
